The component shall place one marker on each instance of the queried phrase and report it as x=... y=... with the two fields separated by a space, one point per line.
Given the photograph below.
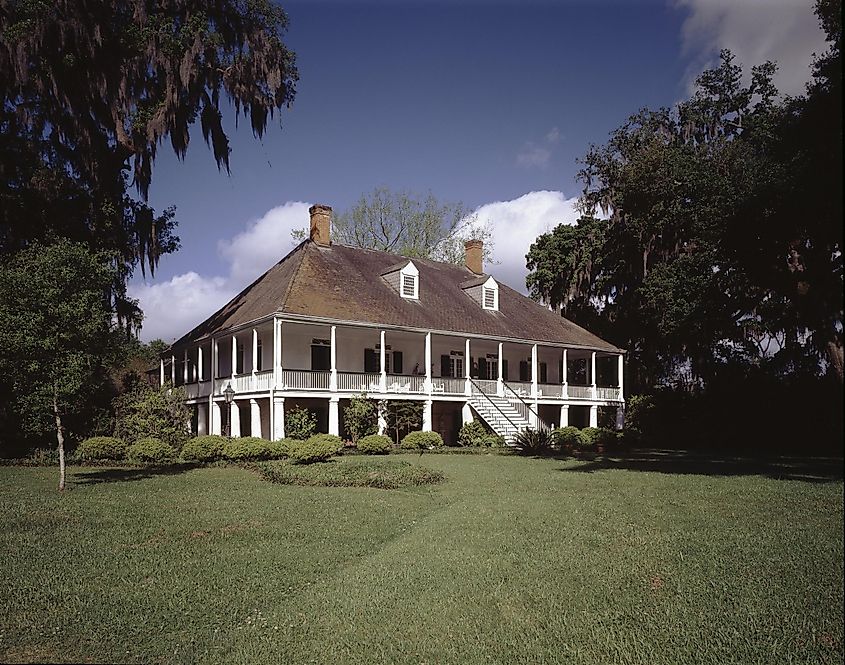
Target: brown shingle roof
x=345 y=283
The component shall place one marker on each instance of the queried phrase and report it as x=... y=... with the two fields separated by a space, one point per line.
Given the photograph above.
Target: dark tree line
x=721 y=235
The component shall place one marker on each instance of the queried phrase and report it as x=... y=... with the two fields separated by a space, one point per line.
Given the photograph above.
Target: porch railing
x=549 y=390
x=448 y=385
x=580 y=392
x=303 y=379
x=401 y=383
x=487 y=386
x=358 y=382
x=611 y=393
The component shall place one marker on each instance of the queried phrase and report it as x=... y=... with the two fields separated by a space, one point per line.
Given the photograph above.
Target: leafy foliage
x=151 y=451
x=421 y=441
x=709 y=257
x=206 y=448
x=57 y=340
x=533 y=442
x=250 y=448
x=375 y=444
x=359 y=417
x=472 y=433
x=598 y=436
x=384 y=474
x=318 y=448
x=401 y=416
x=568 y=437
x=300 y=423
x=102 y=448
x=159 y=412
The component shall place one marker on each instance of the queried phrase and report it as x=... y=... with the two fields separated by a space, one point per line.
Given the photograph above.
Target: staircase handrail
x=487 y=397
x=542 y=426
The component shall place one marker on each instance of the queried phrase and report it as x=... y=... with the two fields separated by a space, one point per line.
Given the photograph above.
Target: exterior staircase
x=499 y=414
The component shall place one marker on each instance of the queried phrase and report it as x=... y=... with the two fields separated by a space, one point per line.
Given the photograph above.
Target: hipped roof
x=346 y=284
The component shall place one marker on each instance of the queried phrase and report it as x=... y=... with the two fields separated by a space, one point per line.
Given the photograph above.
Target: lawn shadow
x=94 y=476
x=814 y=469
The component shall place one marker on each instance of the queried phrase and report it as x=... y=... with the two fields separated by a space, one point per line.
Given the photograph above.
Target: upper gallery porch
x=300 y=357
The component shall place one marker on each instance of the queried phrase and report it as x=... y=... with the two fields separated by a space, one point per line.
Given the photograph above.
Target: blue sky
x=489 y=104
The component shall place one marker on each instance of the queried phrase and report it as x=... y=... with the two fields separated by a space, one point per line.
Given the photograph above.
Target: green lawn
x=510 y=560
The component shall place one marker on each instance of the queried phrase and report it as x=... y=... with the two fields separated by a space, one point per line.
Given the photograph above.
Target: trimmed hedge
x=151 y=451
x=251 y=448
x=568 y=437
x=421 y=441
x=472 y=434
x=350 y=472
x=375 y=444
x=317 y=448
x=101 y=447
x=598 y=436
x=207 y=448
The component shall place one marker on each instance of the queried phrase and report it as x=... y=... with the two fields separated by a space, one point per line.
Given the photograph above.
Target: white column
x=234 y=419
x=333 y=359
x=564 y=415
x=466 y=414
x=426 y=423
x=255 y=418
x=564 y=377
x=185 y=367
x=334 y=416
x=173 y=370
x=202 y=419
x=199 y=363
x=594 y=416
x=215 y=359
x=621 y=376
x=234 y=354
x=428 y=366
x=278 y=408
x=254 y=351
x=161 y=372
x=500 y=380
x=276 y=354
x=467 y=368
x=216 y=418
x=382 y=417
x=534 y=371
x=620 y=417
x=383 y=364
x=593 y=375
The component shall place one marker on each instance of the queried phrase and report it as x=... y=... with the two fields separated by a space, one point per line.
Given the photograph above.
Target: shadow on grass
x=781 y=467
x=95 y=476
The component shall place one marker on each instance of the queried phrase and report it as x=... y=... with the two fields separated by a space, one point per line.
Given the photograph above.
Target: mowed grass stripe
x=510 y=560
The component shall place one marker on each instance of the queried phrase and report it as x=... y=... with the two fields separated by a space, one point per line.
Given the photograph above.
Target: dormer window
x=409 y=286
x=405 y=279
x=490 y=298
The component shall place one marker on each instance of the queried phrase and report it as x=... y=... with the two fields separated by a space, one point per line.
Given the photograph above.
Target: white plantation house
x=330 y=321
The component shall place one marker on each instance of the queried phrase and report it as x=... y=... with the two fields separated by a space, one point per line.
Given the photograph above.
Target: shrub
x=598 y=436
x=318 y=448
x=375 y=444
x=421 y=441
x=533 y=441
x=568 y=437
x=350 y=472
x=472 y=434
x=300 y=423
x=101 y=447
x=205 y=448
x=285 y=447
x=160 y=413
x=250 y=448
x=360 y=417
x=151 y=451
x=493 y=441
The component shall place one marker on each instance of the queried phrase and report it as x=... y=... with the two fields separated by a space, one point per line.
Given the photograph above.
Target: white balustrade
x=521 y=388
x=607 y=393
x=448 y=385
x=402 y=383
x=549 y=390
x=358 y=382
x=303 y=379
x=580 y=392
x=487 y=386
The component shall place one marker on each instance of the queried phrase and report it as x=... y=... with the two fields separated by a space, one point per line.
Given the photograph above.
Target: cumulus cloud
x=173 y=307
x=784 y=31
x=516 y=224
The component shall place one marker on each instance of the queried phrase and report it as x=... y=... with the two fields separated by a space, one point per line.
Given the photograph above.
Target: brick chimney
x=321 y=222
x=474 y=249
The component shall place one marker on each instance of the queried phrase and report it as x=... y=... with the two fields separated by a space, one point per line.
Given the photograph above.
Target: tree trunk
x=834 y=352
x=61 y=439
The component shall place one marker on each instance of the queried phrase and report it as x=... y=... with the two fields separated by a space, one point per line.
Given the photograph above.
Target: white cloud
x=516 y=224
x=173 y=307
x=785 y=31
x=554 y=135
x=533 y=155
